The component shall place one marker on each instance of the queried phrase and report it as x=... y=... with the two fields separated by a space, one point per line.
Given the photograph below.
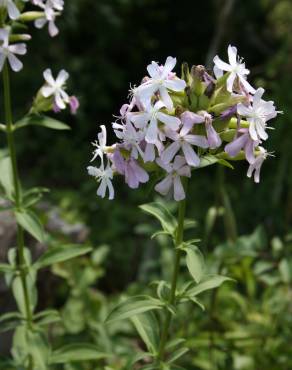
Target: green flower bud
x=19 y=37
x=31 y=16
x=41 y=104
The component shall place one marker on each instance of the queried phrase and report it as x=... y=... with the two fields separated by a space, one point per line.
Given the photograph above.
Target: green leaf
x=177 y=354
x=10 y=321
x=30 y=222
x=4 y=268
x=47 y=317
x=285 y=270
x=168 y=222
x=2 y=127
x=209 y=282
x=209 y=159
x=6 y=176
x=32 y=196
x=133 y=306
x=60 y=254
x=195 y=262
x=225 y=163
x=44 y=121
x=18 y=293
x=147 y=326
x=75 y=353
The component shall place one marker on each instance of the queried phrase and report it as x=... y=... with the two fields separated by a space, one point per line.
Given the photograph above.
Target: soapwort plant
x=31 y=349
x=171 y=128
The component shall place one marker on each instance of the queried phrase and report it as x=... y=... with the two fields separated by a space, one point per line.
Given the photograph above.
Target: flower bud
x=198 y=86
x=19 y=37
x=42 y=104
x=185 y=73
x=31 y=16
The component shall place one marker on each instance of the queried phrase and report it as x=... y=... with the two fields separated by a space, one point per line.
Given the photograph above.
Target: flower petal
x=163 y=187
x=222 y=65
x=191 y=157
x=172 y=122
x=168 y=153
x=178 y=189
x=15 y=64
x=175 y=85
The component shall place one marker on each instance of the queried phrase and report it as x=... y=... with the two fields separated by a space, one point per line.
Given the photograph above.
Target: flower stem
x=177 y=257
x=17 y=191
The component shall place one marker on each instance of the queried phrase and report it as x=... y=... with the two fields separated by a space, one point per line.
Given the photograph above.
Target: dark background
x=105 y=45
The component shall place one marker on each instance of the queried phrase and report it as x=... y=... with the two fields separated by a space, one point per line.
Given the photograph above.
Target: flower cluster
x=52 y=96
x=174 y=125
x=9 y=47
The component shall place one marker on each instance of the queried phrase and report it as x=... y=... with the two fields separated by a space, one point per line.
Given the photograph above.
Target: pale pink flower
x=172 y=182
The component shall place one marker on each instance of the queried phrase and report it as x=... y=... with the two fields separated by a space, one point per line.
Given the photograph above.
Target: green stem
x=17 y=190
x=178 y=253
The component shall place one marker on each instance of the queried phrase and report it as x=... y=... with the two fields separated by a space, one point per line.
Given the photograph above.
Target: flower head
x=8 y=51
x=56 y=88
x=161 y=81
x=255 y=167
x=174 y=171
x=51 y=10
x=103 y=176
x=236 y=68
x=257 y=114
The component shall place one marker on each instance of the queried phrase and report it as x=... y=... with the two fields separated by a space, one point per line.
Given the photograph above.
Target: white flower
x=100 y=144
x=184 y=141
x=257 y=164
x=50 y=8
x=160 y=82
x=175 y=170
x=56 y=88
x=258 y=114
x=152 y=115
x=236 y=68
x=7 y=51
x=131 y=138
x=12 y=9
x=104 y=176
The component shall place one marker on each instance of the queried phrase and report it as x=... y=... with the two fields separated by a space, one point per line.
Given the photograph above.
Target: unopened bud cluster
x=174 y=125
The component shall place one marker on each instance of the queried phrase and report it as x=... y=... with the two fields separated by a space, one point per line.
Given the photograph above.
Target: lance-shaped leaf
x=4 y=268
x=61 y=253
x=31 y=223
x=133 y=306
x=209 y=282
x=47 y=317
x=38 y=120
x=147 y=326
x=195 y=262
x=76 y=352
x=168 y=222
x=10 y=321
x=6 y=177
